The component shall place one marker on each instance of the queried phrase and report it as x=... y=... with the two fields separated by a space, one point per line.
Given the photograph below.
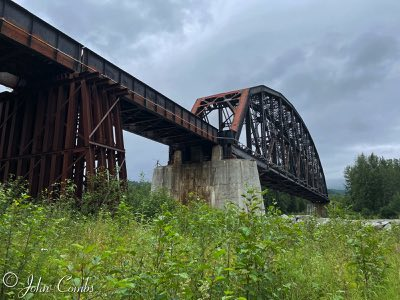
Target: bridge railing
x=37 y=34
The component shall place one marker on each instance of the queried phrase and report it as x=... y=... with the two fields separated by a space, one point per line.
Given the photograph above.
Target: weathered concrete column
x=317 y=209
x=217 y=153
x=217 y=181
x=320 y=210
x=177 y=158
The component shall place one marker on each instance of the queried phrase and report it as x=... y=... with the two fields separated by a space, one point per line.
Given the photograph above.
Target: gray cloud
x=115 y=27
x=338 y=64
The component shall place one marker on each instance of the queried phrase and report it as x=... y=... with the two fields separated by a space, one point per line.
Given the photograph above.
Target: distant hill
x=332 y=192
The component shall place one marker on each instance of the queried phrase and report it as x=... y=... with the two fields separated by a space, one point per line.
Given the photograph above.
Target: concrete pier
x=217 y=181
x=317 y=209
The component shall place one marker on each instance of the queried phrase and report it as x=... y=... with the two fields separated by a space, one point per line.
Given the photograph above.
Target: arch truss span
x=260 y=123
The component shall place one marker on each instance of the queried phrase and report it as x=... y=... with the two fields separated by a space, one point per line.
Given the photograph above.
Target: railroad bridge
x=69 y=106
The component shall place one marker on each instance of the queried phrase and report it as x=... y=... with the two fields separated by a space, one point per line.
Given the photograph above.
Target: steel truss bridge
x=69 y=106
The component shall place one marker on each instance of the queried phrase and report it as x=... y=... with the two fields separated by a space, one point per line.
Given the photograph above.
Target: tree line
x=373 y=186
x=372 y=189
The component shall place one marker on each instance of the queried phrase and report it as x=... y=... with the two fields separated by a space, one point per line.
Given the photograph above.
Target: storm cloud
x=337 y=62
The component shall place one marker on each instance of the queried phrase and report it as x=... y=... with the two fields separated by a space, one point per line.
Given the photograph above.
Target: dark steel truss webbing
x=261 y=124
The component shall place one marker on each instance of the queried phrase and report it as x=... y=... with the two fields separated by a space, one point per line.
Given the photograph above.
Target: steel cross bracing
x=65 y=117
x=260 y=123
x=67 y=130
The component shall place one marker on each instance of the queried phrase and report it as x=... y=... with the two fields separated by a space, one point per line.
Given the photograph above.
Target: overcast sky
x=337 y=62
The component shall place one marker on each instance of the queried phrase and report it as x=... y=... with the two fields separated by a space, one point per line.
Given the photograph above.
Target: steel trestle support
x=68 y=129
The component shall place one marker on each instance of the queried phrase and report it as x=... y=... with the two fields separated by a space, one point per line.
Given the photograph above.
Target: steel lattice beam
x=275 y=136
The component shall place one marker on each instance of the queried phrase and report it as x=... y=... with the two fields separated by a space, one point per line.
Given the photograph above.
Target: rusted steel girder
x=68 y=129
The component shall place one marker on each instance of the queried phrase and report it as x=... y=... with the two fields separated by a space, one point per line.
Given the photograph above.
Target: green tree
x=372 y=186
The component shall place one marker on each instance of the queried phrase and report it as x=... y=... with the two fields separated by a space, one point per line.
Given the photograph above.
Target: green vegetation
x=287 y=204
x=138 y=245
x=372 y=187
x=333 y=192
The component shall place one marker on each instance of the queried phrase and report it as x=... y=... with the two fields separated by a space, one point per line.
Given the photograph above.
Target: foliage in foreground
x=191 y=252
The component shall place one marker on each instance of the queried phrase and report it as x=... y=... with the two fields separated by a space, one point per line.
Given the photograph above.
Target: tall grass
x=160 y=249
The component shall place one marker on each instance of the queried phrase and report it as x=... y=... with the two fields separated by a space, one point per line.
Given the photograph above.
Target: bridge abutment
x=217 y=181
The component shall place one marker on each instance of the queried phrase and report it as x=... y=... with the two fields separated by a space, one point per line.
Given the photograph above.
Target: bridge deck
x=279 y=179
x=35 y=50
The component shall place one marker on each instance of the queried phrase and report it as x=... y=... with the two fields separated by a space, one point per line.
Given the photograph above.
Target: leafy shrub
x=146 y=203
x=104 y=191
x=368 y=261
